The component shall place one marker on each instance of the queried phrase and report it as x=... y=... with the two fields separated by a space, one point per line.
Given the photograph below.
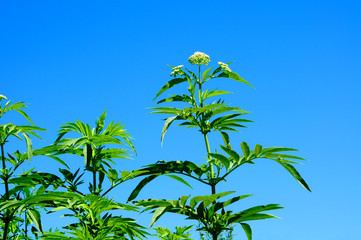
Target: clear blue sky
x=73 y=59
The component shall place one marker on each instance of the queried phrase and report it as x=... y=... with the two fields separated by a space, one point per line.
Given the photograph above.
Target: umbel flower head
x=177 y=71
x=224 y=67
x=199 y=58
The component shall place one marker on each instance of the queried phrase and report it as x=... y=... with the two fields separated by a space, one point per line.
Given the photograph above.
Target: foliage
x=94 y=216
x=181 y=233
x=31 y=194
x=92 y=210
x=12 y=224
x=91 y=145
x=208 y=116
x=209 y=212
x=95 y=220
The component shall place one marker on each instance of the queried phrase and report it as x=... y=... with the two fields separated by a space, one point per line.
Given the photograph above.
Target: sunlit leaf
x=170 y=84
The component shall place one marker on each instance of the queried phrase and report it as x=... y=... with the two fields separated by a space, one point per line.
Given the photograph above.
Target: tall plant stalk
x=6 y=184
x=219 y=117
x=16 y=159
x=7 y=217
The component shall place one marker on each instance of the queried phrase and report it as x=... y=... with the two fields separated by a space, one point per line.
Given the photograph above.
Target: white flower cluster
x=224 y=67
x=199 y=58
x=177 y=71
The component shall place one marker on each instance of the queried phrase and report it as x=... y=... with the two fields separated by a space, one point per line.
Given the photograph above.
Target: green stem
x=214 y=237
x=213 y=186
x=7 y=216
x=200 y=95
x=199 y=73
x=26 y=225
x=200 y=86
x=6 y=177
x=94 y=177
x=6 y=228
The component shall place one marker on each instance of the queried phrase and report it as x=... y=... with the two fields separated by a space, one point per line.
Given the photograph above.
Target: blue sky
x=73 y=59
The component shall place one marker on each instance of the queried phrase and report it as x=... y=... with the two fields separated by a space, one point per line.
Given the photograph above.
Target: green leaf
x=226 y=139
x=204 y=76
x=261 y=208
x=127 y=140
x=224 y=109
x=176 y=98
x=28 y=145
x=183 y=200
x=223 y=118
x=170 y=84
x=215 y=93
x=220 y=205
x=192 y=73
x=24 y=115
x=245 y=149
x=2 y=97
x=58 y=160
x=167 y=110
x=87 y=151
x=258 y=216
x=277 y=149
x=99 y=125
x=126 y=175
x=166 y=125
x=157 y=214
x=231 y=153
x=282 y=156
x=140 y=186
x=224 y=160
x=35 y=217
x=179 y=179
x=247 y=229
x=207 y=199
x=217 y=70
x=234 y=76
x=113 y=173
x=294 y=173
x=258 y=150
